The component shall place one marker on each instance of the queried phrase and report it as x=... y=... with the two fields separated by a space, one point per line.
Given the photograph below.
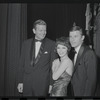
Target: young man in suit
x=36 y=59
x=85 y=67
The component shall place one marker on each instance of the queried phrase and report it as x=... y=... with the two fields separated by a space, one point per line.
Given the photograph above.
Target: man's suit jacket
x=85 y=72
x=38 y=72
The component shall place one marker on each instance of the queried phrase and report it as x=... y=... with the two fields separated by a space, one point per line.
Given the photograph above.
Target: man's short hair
x=77 y=28
x=39 y=22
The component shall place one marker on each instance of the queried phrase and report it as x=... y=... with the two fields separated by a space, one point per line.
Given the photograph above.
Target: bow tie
x=38 y=40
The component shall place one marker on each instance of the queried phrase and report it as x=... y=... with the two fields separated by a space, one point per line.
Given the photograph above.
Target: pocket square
x=45 y=52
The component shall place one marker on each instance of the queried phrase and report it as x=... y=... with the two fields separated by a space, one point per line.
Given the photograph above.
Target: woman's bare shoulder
x=56 y=60
x=68 y=62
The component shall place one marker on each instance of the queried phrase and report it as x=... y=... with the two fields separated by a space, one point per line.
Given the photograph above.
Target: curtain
x=12 y=33
x=3 y=32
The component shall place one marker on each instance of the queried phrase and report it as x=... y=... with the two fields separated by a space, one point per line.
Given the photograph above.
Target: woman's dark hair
x=63 y=41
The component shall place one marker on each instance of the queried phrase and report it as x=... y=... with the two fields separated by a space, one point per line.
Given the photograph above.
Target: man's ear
x=33 y=30
x=83 y=37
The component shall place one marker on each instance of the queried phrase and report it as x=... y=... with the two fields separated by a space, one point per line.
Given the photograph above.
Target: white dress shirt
x=37 y=48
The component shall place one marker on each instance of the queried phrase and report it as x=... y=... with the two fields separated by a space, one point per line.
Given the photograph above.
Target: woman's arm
x=69 y=70
x=60 y=70
x=55 y=65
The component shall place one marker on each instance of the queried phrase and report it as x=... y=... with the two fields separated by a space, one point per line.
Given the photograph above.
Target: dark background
x=16 y=22
x=59 y=17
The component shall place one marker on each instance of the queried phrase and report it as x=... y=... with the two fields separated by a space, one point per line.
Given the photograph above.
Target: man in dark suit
x=35 y=64
x=85 y=67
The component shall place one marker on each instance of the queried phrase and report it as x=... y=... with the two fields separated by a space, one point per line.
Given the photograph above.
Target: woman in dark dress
x=62 y=68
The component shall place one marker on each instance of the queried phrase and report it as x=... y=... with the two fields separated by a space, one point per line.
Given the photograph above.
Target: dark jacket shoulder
x=49 y=40
x=28 y=40
x=87 y=48
x=88 y=51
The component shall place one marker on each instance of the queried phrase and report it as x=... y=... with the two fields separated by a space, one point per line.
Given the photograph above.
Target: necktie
x=75 y=56
x=74 y=51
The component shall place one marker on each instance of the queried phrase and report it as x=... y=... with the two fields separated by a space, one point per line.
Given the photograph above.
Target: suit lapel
x=40 y=51
x=32 y=52
x=79 y=56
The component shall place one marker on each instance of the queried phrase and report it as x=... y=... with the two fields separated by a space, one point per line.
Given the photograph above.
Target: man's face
x=40 y=32
x=76 y=38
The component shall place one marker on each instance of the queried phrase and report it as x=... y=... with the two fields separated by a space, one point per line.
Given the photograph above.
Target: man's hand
x=20 y=87
x=50 y=88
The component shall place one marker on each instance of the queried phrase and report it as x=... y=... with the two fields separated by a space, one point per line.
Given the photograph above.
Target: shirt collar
x=77 y=49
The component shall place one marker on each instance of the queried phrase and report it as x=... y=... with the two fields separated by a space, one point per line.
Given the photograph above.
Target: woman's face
x=62 y=50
